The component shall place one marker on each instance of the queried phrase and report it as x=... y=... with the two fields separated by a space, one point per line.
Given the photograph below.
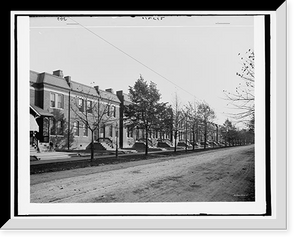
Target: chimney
x=97 y=88
x=110 y=90
x=68 y=79
x=120 y=95
x=58 y=73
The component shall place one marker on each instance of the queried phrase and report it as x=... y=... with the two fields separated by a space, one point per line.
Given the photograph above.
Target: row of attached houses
x=59 y=105
x=62 y=112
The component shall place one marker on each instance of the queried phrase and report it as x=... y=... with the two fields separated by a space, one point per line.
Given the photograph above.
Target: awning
x=39 y=111
x=33 y=125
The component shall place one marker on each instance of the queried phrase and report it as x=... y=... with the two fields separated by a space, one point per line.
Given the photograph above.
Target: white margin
x=151 y=222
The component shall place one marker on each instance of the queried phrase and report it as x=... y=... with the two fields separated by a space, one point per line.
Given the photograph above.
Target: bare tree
x=242 y=99
x=92 y=110
x=177 y=117
x=61 y=135
x=206 y=115
x=193 y=117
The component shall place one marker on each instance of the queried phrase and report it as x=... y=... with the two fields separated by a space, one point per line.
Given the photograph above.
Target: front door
x=44 y=125
x=102 y=132
x=96 y=134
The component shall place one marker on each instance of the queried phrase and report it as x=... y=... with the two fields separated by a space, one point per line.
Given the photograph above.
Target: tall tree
x=165 y=119
x=242 y=99
x=145 y=109
x=177 y=117
x=193 y=117
x=207 y=115
x=229 y=132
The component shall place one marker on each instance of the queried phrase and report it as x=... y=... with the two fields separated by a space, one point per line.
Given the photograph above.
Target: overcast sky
x=197 y=57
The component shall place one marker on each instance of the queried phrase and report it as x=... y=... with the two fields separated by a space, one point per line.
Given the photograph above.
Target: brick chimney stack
x=68 y=79
x=97 y=88
x=110 y=90
x=58 y=73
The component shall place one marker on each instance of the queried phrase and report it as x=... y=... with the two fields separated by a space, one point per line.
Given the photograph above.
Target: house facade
x=68 y=112
x=65 y=114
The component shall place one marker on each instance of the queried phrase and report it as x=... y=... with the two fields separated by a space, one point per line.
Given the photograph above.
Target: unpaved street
x=216 y=175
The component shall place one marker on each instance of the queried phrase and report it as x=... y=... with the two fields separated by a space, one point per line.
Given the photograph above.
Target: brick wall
x=44 y=84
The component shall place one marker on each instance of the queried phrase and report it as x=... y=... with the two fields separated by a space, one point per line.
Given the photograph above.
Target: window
x=52 y=100
x=81 y=104
x=60 y=103
x=108 y=110
x=85 y=130
x=56 y=127
x=111 y=130
x=129 y=132
x=76 y=128
x=60 y=127
x=45 y=134
x=56 y=100
x=52 y=127
x=102 y=129
x=89 y=106
x=114 y=113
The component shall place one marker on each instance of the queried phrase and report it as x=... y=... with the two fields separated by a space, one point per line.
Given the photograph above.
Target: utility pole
x=186 y=145
x=117 y=142
x=69 y=119
x=217 y=133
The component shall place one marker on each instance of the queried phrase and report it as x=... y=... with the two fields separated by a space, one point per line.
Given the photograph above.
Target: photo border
x=41 y=217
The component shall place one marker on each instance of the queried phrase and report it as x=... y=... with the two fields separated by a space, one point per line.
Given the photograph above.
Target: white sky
x=198 y=54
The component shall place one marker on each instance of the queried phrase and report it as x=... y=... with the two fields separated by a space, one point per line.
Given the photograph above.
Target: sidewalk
x=57 y=157
x=75 y=157
x=53 y=155
x=71 y=161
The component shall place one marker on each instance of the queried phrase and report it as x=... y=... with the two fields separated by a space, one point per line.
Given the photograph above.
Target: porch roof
x=39 y=111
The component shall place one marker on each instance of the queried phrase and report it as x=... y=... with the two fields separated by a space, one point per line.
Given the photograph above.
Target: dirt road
x=216 y=175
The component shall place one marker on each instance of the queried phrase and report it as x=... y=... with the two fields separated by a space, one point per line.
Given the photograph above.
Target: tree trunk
x=92 y=146
x=193 y=139
x=175 y=138
x=146 y=149
x=69 y=124
x=205 y=135
x=186 y=134
x=117 y=145
x=117 y=148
